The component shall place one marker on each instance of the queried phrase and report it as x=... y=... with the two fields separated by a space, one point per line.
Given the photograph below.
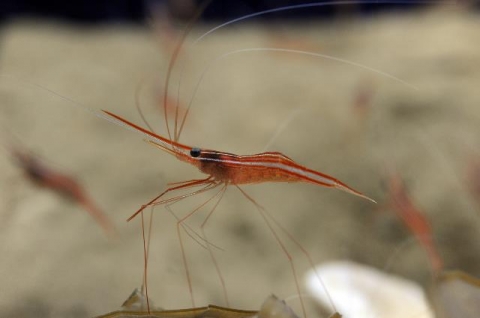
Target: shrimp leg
x=208 y=184
x=182 y=185
x=180 y=224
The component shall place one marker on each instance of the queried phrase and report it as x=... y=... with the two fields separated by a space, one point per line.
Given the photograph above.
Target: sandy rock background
x=57 y=262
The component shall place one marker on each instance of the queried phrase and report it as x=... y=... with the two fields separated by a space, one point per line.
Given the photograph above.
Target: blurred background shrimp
x=417 y=223
x=40 y=174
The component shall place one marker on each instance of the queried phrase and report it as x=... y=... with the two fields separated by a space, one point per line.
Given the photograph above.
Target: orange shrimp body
x=242 y=169
x=262 y=167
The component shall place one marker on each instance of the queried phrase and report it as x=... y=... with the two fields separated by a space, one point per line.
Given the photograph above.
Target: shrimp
x=414 y=219
x=230 y=169
x=44 y=176
x=222 y=170
x=227 y=169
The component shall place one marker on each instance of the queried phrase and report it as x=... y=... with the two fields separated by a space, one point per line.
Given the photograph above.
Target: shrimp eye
x=195 y=152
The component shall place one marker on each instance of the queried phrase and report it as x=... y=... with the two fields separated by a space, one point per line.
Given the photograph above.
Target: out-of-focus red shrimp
x=163 y=26
x=361 y=109
x=172 y=105
x=413 y=218
x=44 y=176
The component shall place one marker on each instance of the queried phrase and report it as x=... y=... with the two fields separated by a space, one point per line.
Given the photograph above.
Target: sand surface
x=57 y=262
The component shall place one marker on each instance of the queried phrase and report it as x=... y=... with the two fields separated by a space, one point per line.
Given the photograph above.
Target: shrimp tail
x=342 y=186
x=96 y=213
x=436 y=261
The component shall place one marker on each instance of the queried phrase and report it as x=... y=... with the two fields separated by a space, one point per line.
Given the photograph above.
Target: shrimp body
x=228 y=168
x=262 y=167
x=43 y=176
x=414 y=219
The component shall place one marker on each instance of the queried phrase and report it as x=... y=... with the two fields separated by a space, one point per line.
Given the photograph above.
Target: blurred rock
x=360 y=291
